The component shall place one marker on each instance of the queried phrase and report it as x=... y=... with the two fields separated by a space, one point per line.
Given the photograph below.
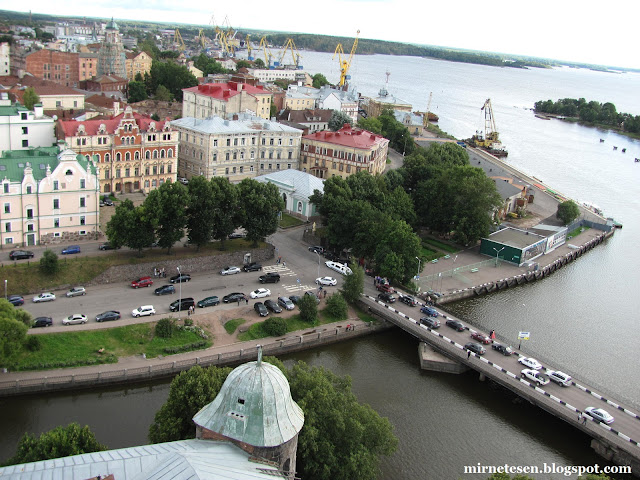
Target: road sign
x=523 y=335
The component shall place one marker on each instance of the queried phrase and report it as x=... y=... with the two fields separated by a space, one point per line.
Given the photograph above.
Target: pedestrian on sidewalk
x=239 y=301
x=284 y=264
x=468 y=354
x=325 y=294
x=279 y=260
x=246 y=299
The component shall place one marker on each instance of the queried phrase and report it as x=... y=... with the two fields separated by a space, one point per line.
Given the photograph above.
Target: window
x=7 y=227
x=271 y=141
x=155 y=170
x=106 y=174
x=6 y=187
x=25 y=130
x=235 y=142
x=262 y=166
x=82 y=220
x=58 y=103
x=82 y=183
x=23 y=116
x=215 y=142
x=29 y=212
x=227 y=156
x=8 y=241
x=117 y=173
x=136 y=156
x=25 y=143
x=136 y=172
x=30 y=227
x=228 y=142
x=118 y=157
x=146 y=171
x=127 y=172
x=226 y=171
x=28 y=189
x=127 y=156
x=82 y=202
x=56 y=204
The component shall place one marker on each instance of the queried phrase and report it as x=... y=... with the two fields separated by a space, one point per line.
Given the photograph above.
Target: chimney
x=38 y=110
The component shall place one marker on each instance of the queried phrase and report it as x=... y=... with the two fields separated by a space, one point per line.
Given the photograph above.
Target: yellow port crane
x=267 y=52
x=490 y=135
x=295 y=56
x=201 y=38
x=177 y=40
x=345 y=64
x=249 y=49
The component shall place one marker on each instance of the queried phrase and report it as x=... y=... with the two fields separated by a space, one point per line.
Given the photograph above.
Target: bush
x=185 y=348
x=275 y=326
x=337 y=307
x=308 y=309
x=188 y=322
x=49 y=263
x=33 y=343
x=165 y=328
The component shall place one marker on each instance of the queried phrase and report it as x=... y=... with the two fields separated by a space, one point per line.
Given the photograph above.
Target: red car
x=142 y=282
x=481 y=338
x=385 y=287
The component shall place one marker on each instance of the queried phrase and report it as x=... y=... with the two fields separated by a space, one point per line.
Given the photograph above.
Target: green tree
x=137 y=91
x=21 y=315
x=189 y=392
x=165 y=327
x=371 y=124
x=258 y=63
x=162 y=94
x=308 y=309
x=167 y=205
x=568 y=211
x=337 y=307
x=30 y=98
x=353 y=285
x=172 y=76
x=200 y=211
x=49 y=263
x=131 y=226
x=319 y=80
x=226 y=217
x=12 y=332
x=260 y=204
x=338 y=119
x=396 y=252
x=59 y=442
x=242 y=64
x=275 y=326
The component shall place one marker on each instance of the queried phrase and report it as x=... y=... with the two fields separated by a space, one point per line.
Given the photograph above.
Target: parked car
x=599 y=414
x=42 y=322
x=252 y=267
x=327 y=281
x=209 y=302
x=386 y=297
x=338 y=267
x=107 y=246
x=455 y=324
x=503 y=349
x=229 y=271
x=534 y=376
x=70 y=250
x=286 y=303
x=144 y=311
x=16 y=300
x=385 y=287
x=233 y=297
x=235 y=235
x=44 y=297
x=316 y=249
x=475 y=348
x=295 y=299
x=142 y=282
x=531 y=363
x=273 y=306
x=260 y=293
x=74 y=319
x=560 y=378
x=182 y=304
x=430 y=322
x=165 y=290
x=108 y=316
x=20 y=254
x=432 y=312
x=409 y=300
x=107 y=202
x=481 y=337
x=269 y=278
x=76 y=291
x=261 y=309
x=182 y=277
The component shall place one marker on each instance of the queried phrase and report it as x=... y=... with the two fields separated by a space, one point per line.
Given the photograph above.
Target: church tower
x=254 y=410
x=111 y=57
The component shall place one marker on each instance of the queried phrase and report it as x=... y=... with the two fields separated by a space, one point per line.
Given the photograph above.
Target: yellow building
x=137 y=63
x=226 y=100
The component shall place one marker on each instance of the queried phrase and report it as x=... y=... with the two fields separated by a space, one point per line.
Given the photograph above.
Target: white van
x=339 y=267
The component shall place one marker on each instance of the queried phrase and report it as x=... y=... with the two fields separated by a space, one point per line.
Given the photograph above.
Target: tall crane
x=177 y=39
x=267 y=53
x=201 y=38
x=490 y=132
x=249 y=49
x=295 y=56
x=345 y=64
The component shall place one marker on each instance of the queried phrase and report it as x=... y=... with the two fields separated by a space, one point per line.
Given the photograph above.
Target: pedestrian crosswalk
x=298 y=288
x=281 y=269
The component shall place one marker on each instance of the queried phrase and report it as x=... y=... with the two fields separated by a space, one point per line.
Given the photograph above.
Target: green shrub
x=185 y=348
x=188 y=322
x=337 y=307
x=165 y=328
x=308 y=309
x=33 y=343
x=49 y=263
x=275 y=326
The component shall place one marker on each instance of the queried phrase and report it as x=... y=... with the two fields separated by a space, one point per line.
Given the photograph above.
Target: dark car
x=295 y=298
x=209 y=302
x=273 y=306
x=183 y=277
x=432 y=312
x=475 y=348
x=430 y=322
x=311 y=294
x=409 y=300
x=331 y=256
x=481 y=337
x=260 y=309
x=107 y=246
x=42 y=322
x=237 y=235
x=386 y=297
x=252 y=267
x=20 y=254
x=503 y=349
x=182 y=304
x=316 y=249
x=269 y=278
x=70 y=250
x=107 y=202
x=165 y=290
x=108 y=316
x=455 y=324
x=233 y=297
x=16 y=300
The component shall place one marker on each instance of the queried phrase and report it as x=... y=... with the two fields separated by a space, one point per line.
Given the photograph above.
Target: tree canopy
x=259 y=204
x=568 y=211
x=171 y=76
x=319 y=80
x=167 y=206
x=30 y=98
x=13 y=331
x=338 y=119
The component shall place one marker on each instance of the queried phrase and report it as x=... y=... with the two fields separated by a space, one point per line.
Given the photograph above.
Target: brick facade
x=59 y=67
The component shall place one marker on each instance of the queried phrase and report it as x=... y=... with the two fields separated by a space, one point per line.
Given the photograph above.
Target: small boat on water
x=594 y=208
x=602 y=140
x=615 y=148
x=624 y=150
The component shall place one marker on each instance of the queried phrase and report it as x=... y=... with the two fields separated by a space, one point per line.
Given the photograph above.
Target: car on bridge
x=475 y=348
x=432 y=312
x=481 y=337
x=430 y=322
x=599 y=415
x=534 y=376
x=409 y=300
x=531 y=363
x=385 y=287
x=386 y=297
x=456 y=325
x=560 y=378
x=503 y=349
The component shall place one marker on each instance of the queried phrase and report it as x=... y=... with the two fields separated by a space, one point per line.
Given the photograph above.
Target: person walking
x=468 y=354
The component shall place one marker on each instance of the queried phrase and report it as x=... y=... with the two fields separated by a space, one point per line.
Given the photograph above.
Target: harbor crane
x=345 y=64
x=249 y=49
x=267 y=53
x=201 y=38
x=177 y=40
x=490 y=132
x=295 y=56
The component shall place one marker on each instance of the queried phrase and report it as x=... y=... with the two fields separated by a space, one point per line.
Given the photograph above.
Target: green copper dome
x=112 y=25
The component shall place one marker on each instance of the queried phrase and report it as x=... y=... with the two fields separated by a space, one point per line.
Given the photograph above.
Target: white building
x=266 y=75
x=22 y=129
x=5 y=63
x=235 y=149
x=334 y=99
x=295 y=187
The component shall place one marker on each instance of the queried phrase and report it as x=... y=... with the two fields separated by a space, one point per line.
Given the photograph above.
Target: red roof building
x=224 y=100
x=132 y=151
x=349 y=150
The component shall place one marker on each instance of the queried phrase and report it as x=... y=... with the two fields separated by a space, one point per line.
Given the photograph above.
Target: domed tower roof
x=254 y=406
x=112 y=25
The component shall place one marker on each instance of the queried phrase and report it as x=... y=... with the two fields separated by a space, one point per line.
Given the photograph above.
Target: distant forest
x=593 y=113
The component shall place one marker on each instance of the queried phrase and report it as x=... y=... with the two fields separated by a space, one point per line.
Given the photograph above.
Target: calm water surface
x=583 y=318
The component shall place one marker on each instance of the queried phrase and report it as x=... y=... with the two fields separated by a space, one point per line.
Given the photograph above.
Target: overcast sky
x=585 y=31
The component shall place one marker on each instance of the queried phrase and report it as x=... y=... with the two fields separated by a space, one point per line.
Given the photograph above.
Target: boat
x=488 y=140
x=615 y=148
x=591 y=207
x=602 y=140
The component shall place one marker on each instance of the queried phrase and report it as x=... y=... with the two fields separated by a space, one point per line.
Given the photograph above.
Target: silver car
x=76 y=291
x=44 y=297
x=286 y=303
x=74 y=319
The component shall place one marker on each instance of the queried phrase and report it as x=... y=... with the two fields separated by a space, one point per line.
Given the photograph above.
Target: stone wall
x=68 y=238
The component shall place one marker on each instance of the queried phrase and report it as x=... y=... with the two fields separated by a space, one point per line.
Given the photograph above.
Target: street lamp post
x=418 y=268
x=498 y=253
x=5 y=289
x=179 y=294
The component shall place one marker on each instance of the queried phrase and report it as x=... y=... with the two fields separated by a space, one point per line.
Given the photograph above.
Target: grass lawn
x=81 y=347
x=294 y=324
x=232 y=325
x=428 y=254
x=289 y=221
x=577 y=232
x=438 y=244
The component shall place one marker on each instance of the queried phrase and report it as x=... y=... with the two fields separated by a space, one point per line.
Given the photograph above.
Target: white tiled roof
x=303 y=183
x=244 y=124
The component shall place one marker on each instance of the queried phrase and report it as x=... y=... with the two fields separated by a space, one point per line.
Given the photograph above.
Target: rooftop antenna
x=259 y=362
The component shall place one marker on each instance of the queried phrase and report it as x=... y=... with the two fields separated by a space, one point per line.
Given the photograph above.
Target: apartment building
x=132 y=151
x=137 y=63
x=349 y=150
x=225 y=100
x=87 y=65
x=48 y=197
x=266 y=75
x=5 y=59
x=21 y=129
x=59 y=67
x=236 y=149
x=326 y=98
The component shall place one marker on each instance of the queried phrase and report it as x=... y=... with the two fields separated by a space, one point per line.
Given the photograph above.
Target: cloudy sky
x=586 y=31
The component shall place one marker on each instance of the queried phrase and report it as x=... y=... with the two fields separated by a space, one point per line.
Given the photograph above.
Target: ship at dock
x=488 y=140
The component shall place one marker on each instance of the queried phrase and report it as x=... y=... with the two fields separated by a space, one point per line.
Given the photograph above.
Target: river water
x=583 y=318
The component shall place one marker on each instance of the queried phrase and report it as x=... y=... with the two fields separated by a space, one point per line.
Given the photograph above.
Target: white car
x=75 y=291
x=599 y=414
x=229 y=270
x=260 y=293
x=75 y=318
x=326 y=281
x=560 y=378
x=44 y=297
x=144 y=311
x=338 y=267
x=531 y=363
x=534 y=376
